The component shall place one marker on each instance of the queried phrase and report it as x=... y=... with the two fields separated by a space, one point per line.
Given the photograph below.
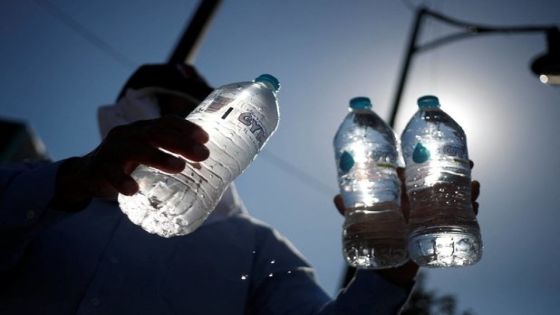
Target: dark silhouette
x=429 y=302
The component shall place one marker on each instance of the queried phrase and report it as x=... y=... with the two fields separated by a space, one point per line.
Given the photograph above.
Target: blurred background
x=61 y=59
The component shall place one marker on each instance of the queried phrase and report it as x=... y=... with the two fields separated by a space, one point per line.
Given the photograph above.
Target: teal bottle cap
x=268 y=78
x=360 y=102
x=428 y=101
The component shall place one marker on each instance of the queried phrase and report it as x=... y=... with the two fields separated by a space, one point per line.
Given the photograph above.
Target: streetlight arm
x=411 y=48
x=469 y=30
x=478 y=28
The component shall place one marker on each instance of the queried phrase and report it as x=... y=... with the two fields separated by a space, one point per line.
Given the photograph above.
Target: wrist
x=72 y=188
x=402 y=276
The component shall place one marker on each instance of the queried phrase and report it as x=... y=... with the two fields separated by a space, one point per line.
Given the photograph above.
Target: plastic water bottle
x=442 y=224
x=366 y=152
x=239 y=118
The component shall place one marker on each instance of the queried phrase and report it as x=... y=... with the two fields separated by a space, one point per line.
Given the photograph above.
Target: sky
x=325 y=52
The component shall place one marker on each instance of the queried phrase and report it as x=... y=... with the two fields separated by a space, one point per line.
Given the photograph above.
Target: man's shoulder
x=246 y=222
x=247 y=226
x=265 y=236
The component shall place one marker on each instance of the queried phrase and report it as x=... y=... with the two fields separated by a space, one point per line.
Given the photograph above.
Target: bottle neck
x=270 y=81
x=431 y=107
x=359 y=109
x=268 y=85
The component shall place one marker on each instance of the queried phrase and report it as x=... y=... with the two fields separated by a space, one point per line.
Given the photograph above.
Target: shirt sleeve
x=25 y=192
x=285 y=284
x=369 y=293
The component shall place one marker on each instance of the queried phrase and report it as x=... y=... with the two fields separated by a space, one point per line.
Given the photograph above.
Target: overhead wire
x=85 y=33
x=105 y=47
x=303 y=177
x=434 y=30
x=409 y=5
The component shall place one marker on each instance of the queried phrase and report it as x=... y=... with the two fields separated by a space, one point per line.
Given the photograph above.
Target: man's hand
x=105 y=171
x=404 y=275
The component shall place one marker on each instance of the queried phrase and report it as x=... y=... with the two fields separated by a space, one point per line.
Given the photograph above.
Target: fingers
x=475 y=193
x=172 y=142
x=159 y=143
x=136 y=141
x=405 y=204
x=184 y=128
x=339 y=204
x=475 y=190
x=475 y=207
x=115 y=176
x=176 y=135
x=156 y=158
x=125 y=184
x=400 y=173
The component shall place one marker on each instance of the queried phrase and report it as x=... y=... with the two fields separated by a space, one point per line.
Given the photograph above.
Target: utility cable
x=302 y=176
x=85 y=33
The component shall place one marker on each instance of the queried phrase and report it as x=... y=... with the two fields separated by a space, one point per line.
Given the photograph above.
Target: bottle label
x=455 y=151
x=422 y=154
x=374 y=160
x=218 y=103
x=228 y=109
x=255 y=126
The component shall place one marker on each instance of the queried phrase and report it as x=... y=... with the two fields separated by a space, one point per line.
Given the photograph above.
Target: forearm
x=25 y=193
x=402 y=276
x=371 y=293
x=296 y=291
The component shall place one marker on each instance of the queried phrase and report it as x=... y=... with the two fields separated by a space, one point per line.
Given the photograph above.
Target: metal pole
x=187 y=46
x=406 y=65
x=469 y=29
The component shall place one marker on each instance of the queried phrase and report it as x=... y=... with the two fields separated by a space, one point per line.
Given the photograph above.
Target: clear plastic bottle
x=239 y=118
x=366 y=152
x=442 y=224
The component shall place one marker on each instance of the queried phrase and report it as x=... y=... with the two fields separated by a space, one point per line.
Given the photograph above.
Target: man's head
x=154 y=91
x=178 y=88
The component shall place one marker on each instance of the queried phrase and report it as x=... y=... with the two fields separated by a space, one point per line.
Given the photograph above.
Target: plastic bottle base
x=141 y=211
x=365 y=257
x=448 y=246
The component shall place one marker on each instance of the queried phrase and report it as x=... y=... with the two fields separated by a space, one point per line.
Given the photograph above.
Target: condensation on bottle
x=443 y=230
x=239 y=119
x=367 y=155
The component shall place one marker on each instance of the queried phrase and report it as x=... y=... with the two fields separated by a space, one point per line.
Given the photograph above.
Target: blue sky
x=324 y=53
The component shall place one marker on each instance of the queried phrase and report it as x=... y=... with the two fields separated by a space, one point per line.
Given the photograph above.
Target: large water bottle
x=366 y=152
x=442 y=224
x=239 y=118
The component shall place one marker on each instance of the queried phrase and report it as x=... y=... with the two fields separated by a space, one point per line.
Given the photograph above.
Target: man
x=66 y=248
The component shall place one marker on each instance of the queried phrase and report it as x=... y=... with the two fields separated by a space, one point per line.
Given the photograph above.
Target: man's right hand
x=105 y=171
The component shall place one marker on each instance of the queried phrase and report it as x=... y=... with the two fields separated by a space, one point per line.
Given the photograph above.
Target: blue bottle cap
x=268 y=78
x=428 y=101
x=360 y=102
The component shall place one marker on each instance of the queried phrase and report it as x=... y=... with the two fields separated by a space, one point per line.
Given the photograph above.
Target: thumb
x=339 y=204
